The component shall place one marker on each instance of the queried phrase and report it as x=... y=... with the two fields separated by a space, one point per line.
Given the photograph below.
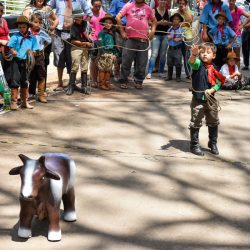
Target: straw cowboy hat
x=22 y=19
x=176 y=15
x=108 y=17
x=232 y=54
x=77 y=13
x=222 y=14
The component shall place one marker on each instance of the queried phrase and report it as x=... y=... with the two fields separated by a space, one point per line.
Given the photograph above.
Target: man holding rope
x=61 y=49
x=138 y=37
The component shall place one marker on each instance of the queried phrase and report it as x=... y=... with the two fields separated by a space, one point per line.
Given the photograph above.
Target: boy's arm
x=215 y=88
x=193 y=60
x=12 y=45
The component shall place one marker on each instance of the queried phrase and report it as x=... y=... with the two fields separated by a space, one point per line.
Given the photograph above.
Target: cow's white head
x=33 y=174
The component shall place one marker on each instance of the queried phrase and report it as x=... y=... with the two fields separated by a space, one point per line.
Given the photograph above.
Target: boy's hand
x=14 y=53
x=210 y=91
x=169 y=37
x=195 y=50
x=177 y=39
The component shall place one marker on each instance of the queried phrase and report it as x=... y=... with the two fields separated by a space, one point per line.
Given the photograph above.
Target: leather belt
x=140 y=39
x=39 y=53
x=174 y=47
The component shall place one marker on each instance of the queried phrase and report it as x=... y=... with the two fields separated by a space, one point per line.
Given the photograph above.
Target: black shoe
x=195 y=147
x=245 y=68
x=196 y=150
x=213 y=136
x=213 y=148
x=178 y=79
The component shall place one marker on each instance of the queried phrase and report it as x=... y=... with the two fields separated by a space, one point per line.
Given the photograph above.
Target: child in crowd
x=174 y=55
x=19 y=43
x=206 y=80
x=108 y=51
x=43 y=39
x=79 y=52
x=223 y=37
x=234 y=79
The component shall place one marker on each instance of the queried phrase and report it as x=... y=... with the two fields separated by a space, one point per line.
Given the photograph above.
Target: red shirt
x=4 y=30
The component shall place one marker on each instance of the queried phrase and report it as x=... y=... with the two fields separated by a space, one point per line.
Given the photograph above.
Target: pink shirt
x=137 y=18
x=95 y=25
x=235 y=24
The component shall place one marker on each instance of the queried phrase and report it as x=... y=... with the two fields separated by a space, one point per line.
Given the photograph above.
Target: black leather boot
x=212 y=143
x=178 y=74
x=195 y=147
x=84 y=79
x=170 y=73
x=70 y=88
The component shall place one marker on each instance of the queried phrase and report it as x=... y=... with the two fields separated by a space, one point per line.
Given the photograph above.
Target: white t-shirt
x=225 y=72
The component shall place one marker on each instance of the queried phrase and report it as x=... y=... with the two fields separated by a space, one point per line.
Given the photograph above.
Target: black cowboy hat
x=176 y=15
x=77 y=13
x=222 y=14
x=107 y=17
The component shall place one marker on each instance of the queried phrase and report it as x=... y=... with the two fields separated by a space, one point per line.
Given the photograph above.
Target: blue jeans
x=159 y=46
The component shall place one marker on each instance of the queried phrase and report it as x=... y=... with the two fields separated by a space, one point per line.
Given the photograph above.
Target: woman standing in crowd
x=187 y=15
x=236 y=26
x=4 y=38
x=50 y=22
x=96 y=26
x=160 y=42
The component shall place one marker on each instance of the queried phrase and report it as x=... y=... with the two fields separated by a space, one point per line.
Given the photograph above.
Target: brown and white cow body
x=44 y=183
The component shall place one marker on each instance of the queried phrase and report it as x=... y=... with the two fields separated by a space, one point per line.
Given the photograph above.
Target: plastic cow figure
x=44 y=183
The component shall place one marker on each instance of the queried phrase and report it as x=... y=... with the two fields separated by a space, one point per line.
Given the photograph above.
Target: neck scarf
x=216 y=5
x=24 y=36
x=213 y=74
x=220 y=28
x=174 y=29
x=231 y=69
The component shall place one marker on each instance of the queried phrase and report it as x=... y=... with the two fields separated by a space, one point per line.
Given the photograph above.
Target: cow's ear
x=52 y=175
x=23 y=158
x=41 y=160
x=15 y=171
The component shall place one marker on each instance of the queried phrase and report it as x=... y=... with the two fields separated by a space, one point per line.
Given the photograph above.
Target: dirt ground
x=137 y=185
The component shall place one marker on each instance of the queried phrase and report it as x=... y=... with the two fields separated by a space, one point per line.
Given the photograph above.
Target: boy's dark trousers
x=174 y=58
x=246 y=46
x=199 y=109
x=221 y=55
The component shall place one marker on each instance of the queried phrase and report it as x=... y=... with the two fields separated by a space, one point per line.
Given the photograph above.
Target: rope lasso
x=212 y=103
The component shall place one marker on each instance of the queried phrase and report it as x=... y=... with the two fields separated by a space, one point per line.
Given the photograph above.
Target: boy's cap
x=176 y=15
x=222 y=14
x=22 y=19
x=107 y=17
x=232 y=54
x=77 y=13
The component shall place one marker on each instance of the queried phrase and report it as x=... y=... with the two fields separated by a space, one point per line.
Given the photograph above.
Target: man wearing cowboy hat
x=19 y=44
x=79 y=52
x=223 y=37
x=61 y=49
